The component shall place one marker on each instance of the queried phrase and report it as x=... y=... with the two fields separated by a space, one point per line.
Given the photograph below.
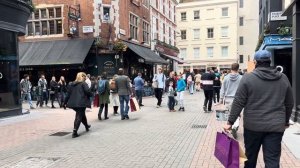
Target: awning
x=146 y=53
x=179 y=60
x=276 y=42
x=59 y=52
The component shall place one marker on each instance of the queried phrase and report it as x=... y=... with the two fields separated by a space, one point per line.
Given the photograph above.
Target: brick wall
x=86 y=11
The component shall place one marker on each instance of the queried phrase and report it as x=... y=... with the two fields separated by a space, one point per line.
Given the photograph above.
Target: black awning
x=146 y=53
x=179 y=60
x=59 y=52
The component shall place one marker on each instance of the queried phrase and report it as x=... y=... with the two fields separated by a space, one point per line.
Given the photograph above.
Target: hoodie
x=267 y=98
x=230 y=85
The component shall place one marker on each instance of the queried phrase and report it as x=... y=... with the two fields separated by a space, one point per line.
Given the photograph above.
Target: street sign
x=87 y=29
x=275 y=16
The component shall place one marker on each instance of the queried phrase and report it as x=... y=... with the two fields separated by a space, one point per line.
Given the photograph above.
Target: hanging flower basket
x=119 y=46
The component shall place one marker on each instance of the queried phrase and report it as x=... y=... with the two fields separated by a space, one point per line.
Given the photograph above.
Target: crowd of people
x=264 y=95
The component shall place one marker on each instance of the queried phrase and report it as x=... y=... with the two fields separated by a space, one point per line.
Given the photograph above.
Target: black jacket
x=78 y=95
x=267 y=98
x=207 y=81
x=53 y=86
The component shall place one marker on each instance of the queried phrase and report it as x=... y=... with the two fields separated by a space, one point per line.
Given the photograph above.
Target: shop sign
x=87 y=29
x=275 y=16
x=122 y=31
x=109 y=68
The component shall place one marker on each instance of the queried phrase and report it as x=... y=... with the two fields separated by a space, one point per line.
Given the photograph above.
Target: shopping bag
x=96 y=101
x=134 y=105
x=227 y=150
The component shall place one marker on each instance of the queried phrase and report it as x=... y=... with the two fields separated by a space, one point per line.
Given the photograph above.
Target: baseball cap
x=262 y=55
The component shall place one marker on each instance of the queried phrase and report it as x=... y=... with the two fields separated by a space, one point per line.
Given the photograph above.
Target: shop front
x=13 y=18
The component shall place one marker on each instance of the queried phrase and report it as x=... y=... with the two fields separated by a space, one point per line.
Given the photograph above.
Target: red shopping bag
x=96 y=101
x=227 y=151
x=134 y=106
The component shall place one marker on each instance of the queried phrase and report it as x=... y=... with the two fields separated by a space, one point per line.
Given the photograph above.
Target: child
x=180 y=89
x=171 y=94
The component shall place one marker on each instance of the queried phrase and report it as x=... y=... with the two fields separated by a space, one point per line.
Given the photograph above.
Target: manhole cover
x=35 y=162
x=199 y=126
x=60 y=134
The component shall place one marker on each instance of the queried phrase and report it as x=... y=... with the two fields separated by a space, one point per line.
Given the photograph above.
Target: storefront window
x=9 y=76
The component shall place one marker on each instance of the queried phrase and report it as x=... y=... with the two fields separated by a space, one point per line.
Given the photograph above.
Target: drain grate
x=199 y=126
x=60 y=133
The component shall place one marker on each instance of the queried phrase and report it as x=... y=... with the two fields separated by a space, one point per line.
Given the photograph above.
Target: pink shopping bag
x=227 y=151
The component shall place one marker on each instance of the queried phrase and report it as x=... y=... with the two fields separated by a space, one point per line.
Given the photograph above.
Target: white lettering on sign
x=1 y=75
x=274 y=16
x=87 y=29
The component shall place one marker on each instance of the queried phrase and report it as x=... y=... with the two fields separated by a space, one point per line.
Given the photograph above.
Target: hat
x=262 y=55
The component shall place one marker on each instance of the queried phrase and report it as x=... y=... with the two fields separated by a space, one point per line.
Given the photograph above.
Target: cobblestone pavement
x=152 y=137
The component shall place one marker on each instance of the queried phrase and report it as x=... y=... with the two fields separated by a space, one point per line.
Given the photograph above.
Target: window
x=46 y=21
x=196 y=52
x=183 y=53
x=196 y=15
x=241 y=3
x=210 y=51
x=196 y=34
x=241 y=59
x=224 y=11
x=146 y=32
x=183 y=16
x=224 y=31
x=106 y=14
x=241 y=40
x=133 y=26
x=224 y=51
x=210 y=33
x=241 y=21
x=183 y=34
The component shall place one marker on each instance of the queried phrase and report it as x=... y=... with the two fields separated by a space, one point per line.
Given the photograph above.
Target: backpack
x=101 y=87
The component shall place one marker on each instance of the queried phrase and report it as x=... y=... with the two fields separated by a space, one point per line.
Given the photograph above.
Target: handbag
x=155 y=83
x=134 y=106
x=96 y=101
x=228 y=151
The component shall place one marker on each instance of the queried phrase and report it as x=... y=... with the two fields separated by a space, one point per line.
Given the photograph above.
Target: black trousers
x=45 y=97
x=271 y=146
x=105 y=107
x=53 y=97
x=208 y=98
x=216 y=93
x=80 y=117
x=158 y=95
x=171 y=102
x=139 y=96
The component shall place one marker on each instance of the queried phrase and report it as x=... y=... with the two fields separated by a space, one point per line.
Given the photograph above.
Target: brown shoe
x=173 y=110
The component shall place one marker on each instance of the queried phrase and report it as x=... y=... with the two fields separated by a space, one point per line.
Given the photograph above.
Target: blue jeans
x=271 y=146
x=191 y=87
x=171 y=102
x=28 y=98
x=124 y=110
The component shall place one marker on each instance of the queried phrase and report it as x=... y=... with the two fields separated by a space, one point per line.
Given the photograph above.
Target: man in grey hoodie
x=228 y=90
x=267 y=98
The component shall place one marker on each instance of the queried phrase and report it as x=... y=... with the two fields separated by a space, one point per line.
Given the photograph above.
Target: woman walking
x=114 y=97
x=104 y=92
x=180 y=89
x=53 y=91
x=78 y=98
x=62 y=91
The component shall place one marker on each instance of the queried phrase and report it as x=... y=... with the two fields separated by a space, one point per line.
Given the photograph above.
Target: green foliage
x=119 y=46
x=167 y=45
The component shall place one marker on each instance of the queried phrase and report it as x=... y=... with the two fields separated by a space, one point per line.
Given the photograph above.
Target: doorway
x=283 y=57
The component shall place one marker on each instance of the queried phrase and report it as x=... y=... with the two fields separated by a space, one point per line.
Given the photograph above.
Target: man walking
x=124 y=91
x=267 y=99
x=43 y=85
x=26 y=90
x=159 y=79
x=139 y=88
x=207 y=81
x=228 y=90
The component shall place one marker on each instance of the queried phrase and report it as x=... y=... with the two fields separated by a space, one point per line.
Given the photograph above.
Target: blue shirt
x=138 y=83
x=181 y=85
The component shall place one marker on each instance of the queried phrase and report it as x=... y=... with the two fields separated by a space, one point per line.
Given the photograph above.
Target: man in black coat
x=207 y=82
x=267 y=99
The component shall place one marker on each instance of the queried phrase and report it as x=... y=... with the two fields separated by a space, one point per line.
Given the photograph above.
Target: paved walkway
x=151 y=138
